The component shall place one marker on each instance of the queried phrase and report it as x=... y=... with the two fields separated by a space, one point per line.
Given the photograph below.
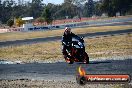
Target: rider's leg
x=64 y=52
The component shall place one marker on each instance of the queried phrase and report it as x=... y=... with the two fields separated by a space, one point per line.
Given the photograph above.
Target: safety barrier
x=11 y=30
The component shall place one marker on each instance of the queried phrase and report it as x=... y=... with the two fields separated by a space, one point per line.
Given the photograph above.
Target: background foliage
x=70 y=8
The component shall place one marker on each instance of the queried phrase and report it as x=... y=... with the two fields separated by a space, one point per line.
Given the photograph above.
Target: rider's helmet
x=67 y=30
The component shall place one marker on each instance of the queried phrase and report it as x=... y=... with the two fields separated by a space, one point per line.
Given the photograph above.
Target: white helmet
x=67 y=30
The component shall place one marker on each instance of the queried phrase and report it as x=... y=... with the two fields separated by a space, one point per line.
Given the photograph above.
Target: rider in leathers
x=66 y=40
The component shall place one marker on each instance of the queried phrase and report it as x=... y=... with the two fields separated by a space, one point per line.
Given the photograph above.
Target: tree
x=68 y=1
x=39 y=20
x=6 y=10
x=10 y=22
x=47 y=15
x=36 y=8
x=1 y=10
x=113 y=6
x=19 y=22
x=89 y=8
x=58 y=12
x=97 y=6
x=123 y=6
x=69 y=9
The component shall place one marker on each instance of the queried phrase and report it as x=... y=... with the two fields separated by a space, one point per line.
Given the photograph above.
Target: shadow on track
x=95 y=62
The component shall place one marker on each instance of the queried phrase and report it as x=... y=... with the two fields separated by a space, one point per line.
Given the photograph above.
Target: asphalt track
x=61 y=71
x=37 y=40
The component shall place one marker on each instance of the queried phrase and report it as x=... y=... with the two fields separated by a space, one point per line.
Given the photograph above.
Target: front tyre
x=69 y=60
x=86 y=58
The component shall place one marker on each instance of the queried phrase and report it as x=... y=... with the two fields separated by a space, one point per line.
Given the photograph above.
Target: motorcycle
x=76 y=51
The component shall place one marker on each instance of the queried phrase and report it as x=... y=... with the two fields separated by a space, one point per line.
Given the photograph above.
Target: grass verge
x=41 y=34
x=117 y=45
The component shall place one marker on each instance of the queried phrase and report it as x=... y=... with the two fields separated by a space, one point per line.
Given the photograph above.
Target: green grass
x=96 y=47
x=41 y=34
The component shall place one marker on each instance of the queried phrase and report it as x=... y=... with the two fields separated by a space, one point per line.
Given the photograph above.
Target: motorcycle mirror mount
x=82 y=37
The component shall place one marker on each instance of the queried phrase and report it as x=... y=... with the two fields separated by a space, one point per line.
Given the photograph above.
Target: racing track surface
x=61 y=71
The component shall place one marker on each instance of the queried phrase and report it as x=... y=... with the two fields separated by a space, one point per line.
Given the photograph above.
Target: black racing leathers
x=66 y=41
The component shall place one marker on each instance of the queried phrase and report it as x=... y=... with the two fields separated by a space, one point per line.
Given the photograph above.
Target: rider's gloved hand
x=64 y=43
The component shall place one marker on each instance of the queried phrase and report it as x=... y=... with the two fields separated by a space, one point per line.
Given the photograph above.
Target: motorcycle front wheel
x=86 y=58
x=69 y=60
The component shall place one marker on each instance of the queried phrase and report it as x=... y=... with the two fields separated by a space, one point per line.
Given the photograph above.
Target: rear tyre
x=86 y=58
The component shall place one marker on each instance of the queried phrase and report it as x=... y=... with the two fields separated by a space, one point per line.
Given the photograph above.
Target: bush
x=10 y=22
x=40 y=20
x=19 y=22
